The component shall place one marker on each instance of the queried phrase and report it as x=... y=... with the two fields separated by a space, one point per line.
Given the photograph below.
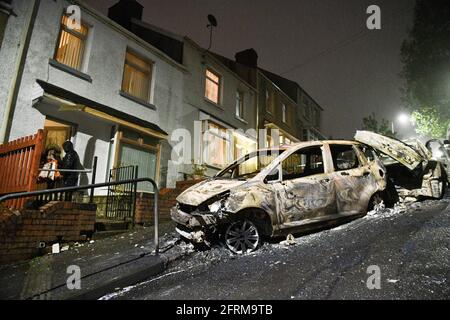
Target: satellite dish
x=212 y=20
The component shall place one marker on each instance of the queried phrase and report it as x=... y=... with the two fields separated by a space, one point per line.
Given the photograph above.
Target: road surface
x=409 y=246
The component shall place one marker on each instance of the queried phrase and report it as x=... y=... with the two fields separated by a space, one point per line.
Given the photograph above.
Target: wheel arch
x=258 y=216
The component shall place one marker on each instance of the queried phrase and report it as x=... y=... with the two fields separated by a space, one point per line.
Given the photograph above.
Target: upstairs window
x=284 y=108
x=239 y=105
x=212 y=86
x=270 y=103
x=137 y=75
x=71 y=44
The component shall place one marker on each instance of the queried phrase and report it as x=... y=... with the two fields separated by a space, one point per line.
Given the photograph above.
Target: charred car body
x=410 y=166
x=274 y=192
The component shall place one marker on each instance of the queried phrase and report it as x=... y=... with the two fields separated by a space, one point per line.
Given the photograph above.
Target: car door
x=305 y=191
x=354 y=181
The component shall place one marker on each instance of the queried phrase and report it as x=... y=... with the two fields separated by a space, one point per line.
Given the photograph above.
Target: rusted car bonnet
x=207 y=189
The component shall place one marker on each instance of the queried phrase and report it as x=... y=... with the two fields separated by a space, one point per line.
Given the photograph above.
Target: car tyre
x=390 y=194
x=242 y=236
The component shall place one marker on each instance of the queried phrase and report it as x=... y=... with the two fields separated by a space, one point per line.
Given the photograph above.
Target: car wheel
x=390 y=194
x=242 y=237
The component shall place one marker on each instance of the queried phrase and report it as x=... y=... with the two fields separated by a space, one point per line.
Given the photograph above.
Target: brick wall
x=167 y=199
x=21 y=232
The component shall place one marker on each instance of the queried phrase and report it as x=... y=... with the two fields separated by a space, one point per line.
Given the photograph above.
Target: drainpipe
x=13 y=91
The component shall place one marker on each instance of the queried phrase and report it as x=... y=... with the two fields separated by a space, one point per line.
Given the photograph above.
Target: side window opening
x=303 y=163
x=368 y=152
x=344 y=157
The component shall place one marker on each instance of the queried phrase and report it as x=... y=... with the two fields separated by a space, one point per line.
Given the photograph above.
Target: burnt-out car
x=274 y=192
x=410 y=166
x=440 y=151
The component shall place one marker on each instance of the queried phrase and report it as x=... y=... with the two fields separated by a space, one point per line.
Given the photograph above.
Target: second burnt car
x=410 y=165
x=283 y=190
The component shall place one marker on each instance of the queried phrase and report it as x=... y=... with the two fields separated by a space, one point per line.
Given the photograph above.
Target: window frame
x=355 y=151
x=240 y=108
x=219 y=85
x=139 y=143
x=149 y=73
x=83 y=38
x=322 y=153
x=270 y=101
x=229 y=141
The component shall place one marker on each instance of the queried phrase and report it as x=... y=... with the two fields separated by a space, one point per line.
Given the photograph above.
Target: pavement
x=409 y=246
x=105 y=265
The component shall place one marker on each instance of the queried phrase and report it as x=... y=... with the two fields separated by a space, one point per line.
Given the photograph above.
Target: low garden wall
x=26 y=233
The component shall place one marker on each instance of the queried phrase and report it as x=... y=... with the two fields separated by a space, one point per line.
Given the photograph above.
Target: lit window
x=284 y=113
x=217 y=145
x=212 y=86
x=239 y=104
x=137 y=76
x=71 y=45
x=243 y=146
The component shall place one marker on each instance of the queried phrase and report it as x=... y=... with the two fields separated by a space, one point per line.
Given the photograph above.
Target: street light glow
x=404 y=118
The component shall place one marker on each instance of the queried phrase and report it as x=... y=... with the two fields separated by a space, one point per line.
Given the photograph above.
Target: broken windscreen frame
x=250 y=165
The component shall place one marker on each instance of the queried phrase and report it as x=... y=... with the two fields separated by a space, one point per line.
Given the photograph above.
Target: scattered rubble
x=393 y=280
x=55 y=248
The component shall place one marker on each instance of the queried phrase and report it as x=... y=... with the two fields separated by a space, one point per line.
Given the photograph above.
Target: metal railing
x=93 y=170
x=21 y=195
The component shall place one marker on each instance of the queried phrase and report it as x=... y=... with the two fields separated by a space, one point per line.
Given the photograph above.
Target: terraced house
x=120 y=89
x=99 y=85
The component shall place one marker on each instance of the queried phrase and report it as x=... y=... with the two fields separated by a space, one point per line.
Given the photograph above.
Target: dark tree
x=426 y=58
x=371 y=123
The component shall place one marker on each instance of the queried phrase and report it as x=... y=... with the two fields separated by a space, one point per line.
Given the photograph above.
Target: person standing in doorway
x=71 y=161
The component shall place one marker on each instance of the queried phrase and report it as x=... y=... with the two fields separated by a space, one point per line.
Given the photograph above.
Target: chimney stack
x=124 y=11
x=247 y=57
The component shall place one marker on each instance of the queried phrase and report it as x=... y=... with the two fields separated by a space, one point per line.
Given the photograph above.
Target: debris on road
x=290 y=241
x=55 y=248
x=393 y=280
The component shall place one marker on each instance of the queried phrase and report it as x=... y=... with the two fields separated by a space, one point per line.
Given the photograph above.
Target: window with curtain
x=217 y=145
x=243 y=146
x=212 y=86
x=71 y=45
x=137 y=76
x=239 y=104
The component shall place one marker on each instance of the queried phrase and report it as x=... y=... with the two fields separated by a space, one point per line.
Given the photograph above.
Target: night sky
x=323 y=45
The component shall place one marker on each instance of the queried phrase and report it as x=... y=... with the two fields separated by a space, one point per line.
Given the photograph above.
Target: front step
x=105 y=234
x=110 y=225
